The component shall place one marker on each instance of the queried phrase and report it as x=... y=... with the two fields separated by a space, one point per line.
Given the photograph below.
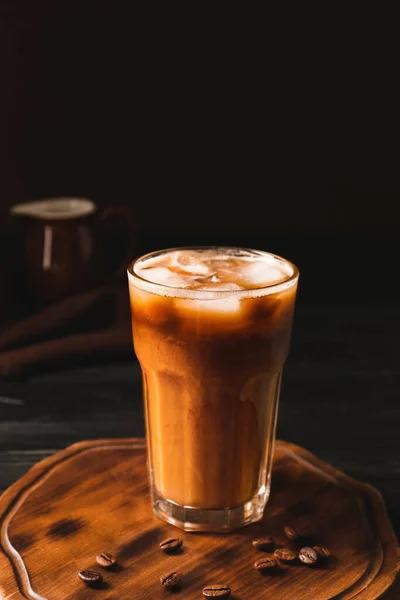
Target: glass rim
x=179 y=292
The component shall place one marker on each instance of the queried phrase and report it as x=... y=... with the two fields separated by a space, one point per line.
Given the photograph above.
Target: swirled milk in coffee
x=211 y=332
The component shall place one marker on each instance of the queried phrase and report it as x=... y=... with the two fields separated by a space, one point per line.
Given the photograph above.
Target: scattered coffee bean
x=291 y=533
x=90 y=577
x=266 y=565
x=323 y=553
x=265 y=543
x=217 y=591
x=171 y=545
x=107 y=561
x=285 y=555
x=172 y=581
x=308 y=556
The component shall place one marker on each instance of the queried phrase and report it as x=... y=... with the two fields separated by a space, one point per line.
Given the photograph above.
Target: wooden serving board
x=93 y=497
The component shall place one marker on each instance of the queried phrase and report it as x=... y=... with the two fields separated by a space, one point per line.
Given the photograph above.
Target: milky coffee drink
x=211 y=329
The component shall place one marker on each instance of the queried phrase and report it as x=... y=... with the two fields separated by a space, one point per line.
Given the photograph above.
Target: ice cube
x=204 y=282
x=259 y=273
x=188 y=263
x=164 y=276
x=223 y=286
x=212 y=283
x=221 y=305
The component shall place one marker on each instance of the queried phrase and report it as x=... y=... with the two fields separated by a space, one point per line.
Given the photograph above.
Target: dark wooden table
x=340 y=399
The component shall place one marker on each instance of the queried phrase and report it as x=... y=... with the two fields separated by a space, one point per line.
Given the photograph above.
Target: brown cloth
x=87 y=328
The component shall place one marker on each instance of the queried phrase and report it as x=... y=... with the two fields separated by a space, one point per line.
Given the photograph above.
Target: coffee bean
x=265 y=543
x=217 y=591
x=308 y=556
x=266 y=565
x=323 y=553
x=171 y=545
x=90 y=577
x=172 y=581
x=292 y=533
x=107 y=561
x=285 y=555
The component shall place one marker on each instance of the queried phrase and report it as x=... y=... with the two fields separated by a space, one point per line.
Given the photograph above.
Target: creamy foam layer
x=213 y=273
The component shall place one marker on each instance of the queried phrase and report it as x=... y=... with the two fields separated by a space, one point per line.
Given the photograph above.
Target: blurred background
x=105 y=105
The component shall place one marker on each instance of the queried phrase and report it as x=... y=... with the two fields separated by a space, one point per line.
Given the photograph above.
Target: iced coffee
x=211 y=329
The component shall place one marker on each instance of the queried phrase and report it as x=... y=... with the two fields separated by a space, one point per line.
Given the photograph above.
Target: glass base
x=210 y=519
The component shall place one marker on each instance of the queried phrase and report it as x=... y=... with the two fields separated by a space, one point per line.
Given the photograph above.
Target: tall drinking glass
x=211 y=330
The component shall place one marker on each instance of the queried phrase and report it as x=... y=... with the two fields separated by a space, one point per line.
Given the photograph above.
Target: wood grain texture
x=93 y=497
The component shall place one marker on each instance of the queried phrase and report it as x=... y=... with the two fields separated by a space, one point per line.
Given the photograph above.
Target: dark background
x=109 y=104
x=205 y=146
